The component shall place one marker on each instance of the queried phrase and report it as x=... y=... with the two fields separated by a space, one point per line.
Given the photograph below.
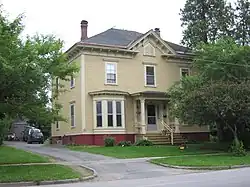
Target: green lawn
x=36 y=173
x=204 y=160
x=141 y=151
x=10 y=155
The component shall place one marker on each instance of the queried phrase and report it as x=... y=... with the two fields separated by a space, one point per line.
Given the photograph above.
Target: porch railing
x=169 y=129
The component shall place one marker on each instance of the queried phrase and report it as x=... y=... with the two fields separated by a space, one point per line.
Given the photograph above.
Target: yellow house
x=121 y=89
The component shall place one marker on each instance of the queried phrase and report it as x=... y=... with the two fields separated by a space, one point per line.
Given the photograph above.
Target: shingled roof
x=122 y=38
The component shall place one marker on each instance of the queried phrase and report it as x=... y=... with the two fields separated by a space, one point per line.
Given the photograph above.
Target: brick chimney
x=84 y=30
x=157 y=31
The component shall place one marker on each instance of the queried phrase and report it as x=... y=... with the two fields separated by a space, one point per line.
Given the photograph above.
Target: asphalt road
x=226 y=178
x=139 y=173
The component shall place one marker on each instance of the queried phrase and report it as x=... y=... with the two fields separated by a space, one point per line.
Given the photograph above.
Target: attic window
x=149 y=50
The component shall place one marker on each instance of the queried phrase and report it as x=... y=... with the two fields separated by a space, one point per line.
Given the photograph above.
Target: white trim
x=184 y=68
x=118 y=98
x=108 y=131
x=72 y=104
x=145 y=46
x=145 y=75
x=154 y=34
x=115 y=64
x=123 y=113
x=105 y=113
x=83 y=94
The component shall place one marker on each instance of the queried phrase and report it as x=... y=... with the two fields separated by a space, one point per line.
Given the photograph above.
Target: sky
x=62 y=17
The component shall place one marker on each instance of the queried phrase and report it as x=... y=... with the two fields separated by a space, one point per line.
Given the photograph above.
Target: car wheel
x=29 y=142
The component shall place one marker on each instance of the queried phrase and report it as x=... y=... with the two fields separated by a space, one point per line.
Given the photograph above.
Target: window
x=57 y=84
x=150 y=75
x=185 y=72
x=72 y=82
x=99 y=114
x=72 y=115
x=110 y=114
x=57 y=124
x=118 y=114
x=111 y=73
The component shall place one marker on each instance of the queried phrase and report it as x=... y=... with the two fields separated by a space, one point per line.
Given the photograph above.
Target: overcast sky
x=62 y=17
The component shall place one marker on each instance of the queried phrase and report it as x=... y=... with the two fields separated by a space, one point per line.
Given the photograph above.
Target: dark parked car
x=35 y=135
x=26 y=132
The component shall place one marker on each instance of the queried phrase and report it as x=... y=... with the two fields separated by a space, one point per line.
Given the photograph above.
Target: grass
x=142 y=151
x=36 y=173
x=202 y=160
x=10 y=155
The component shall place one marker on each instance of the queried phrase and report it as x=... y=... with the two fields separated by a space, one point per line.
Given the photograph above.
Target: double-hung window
x=72 y=115
x=185 y=72
x=111 y=73
x=72 y=81
x=99 y=114
x=150 y=75
x=110 y=113
x=118 y=114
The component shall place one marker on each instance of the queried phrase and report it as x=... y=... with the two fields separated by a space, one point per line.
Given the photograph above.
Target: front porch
x=151 y=115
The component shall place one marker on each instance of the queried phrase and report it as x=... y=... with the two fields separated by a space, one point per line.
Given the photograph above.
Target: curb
x=65 y=181
x=202 y=168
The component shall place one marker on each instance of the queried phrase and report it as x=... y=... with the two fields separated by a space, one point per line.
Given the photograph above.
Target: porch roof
x=149 y=94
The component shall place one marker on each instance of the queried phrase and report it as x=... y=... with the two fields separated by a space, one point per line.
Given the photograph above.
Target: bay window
x=109 y=113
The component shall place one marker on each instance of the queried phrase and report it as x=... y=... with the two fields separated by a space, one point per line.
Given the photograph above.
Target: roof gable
x=125 y=39
x=157 y=37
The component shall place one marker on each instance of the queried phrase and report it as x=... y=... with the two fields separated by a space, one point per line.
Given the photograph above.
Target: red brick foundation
x=196 y=136
x=92 y=139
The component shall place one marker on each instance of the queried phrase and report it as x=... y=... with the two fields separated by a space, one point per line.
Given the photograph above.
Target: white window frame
x=95 y=116
x=181 y=70
x=70 y=116
x=72 y=80
x=111 y=63
x=105 y=113
x=145 y=75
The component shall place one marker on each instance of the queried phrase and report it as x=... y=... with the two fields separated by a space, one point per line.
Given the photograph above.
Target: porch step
x=159 y=139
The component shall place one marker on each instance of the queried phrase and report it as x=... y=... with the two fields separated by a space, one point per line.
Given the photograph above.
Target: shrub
x=143 y=143
x=109 y=141
x=238 y=149
x=124 y=143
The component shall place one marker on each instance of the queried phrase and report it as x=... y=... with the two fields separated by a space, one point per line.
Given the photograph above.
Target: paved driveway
x=107 y=168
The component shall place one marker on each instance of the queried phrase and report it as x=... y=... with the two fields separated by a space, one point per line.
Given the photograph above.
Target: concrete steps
x=159 y=139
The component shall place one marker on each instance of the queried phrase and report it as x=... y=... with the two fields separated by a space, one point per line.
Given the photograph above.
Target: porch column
x=143 y=128
x=135 y=113
x=177 y=125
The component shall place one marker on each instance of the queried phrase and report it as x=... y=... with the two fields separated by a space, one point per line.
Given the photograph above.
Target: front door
x=151 y=118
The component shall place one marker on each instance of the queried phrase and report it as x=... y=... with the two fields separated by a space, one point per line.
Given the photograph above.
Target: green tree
x=242 y=17
x=206 y=21
x=218 y=94
x=27 y=68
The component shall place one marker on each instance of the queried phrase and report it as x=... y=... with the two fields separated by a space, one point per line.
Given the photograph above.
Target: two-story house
x=121 y=89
